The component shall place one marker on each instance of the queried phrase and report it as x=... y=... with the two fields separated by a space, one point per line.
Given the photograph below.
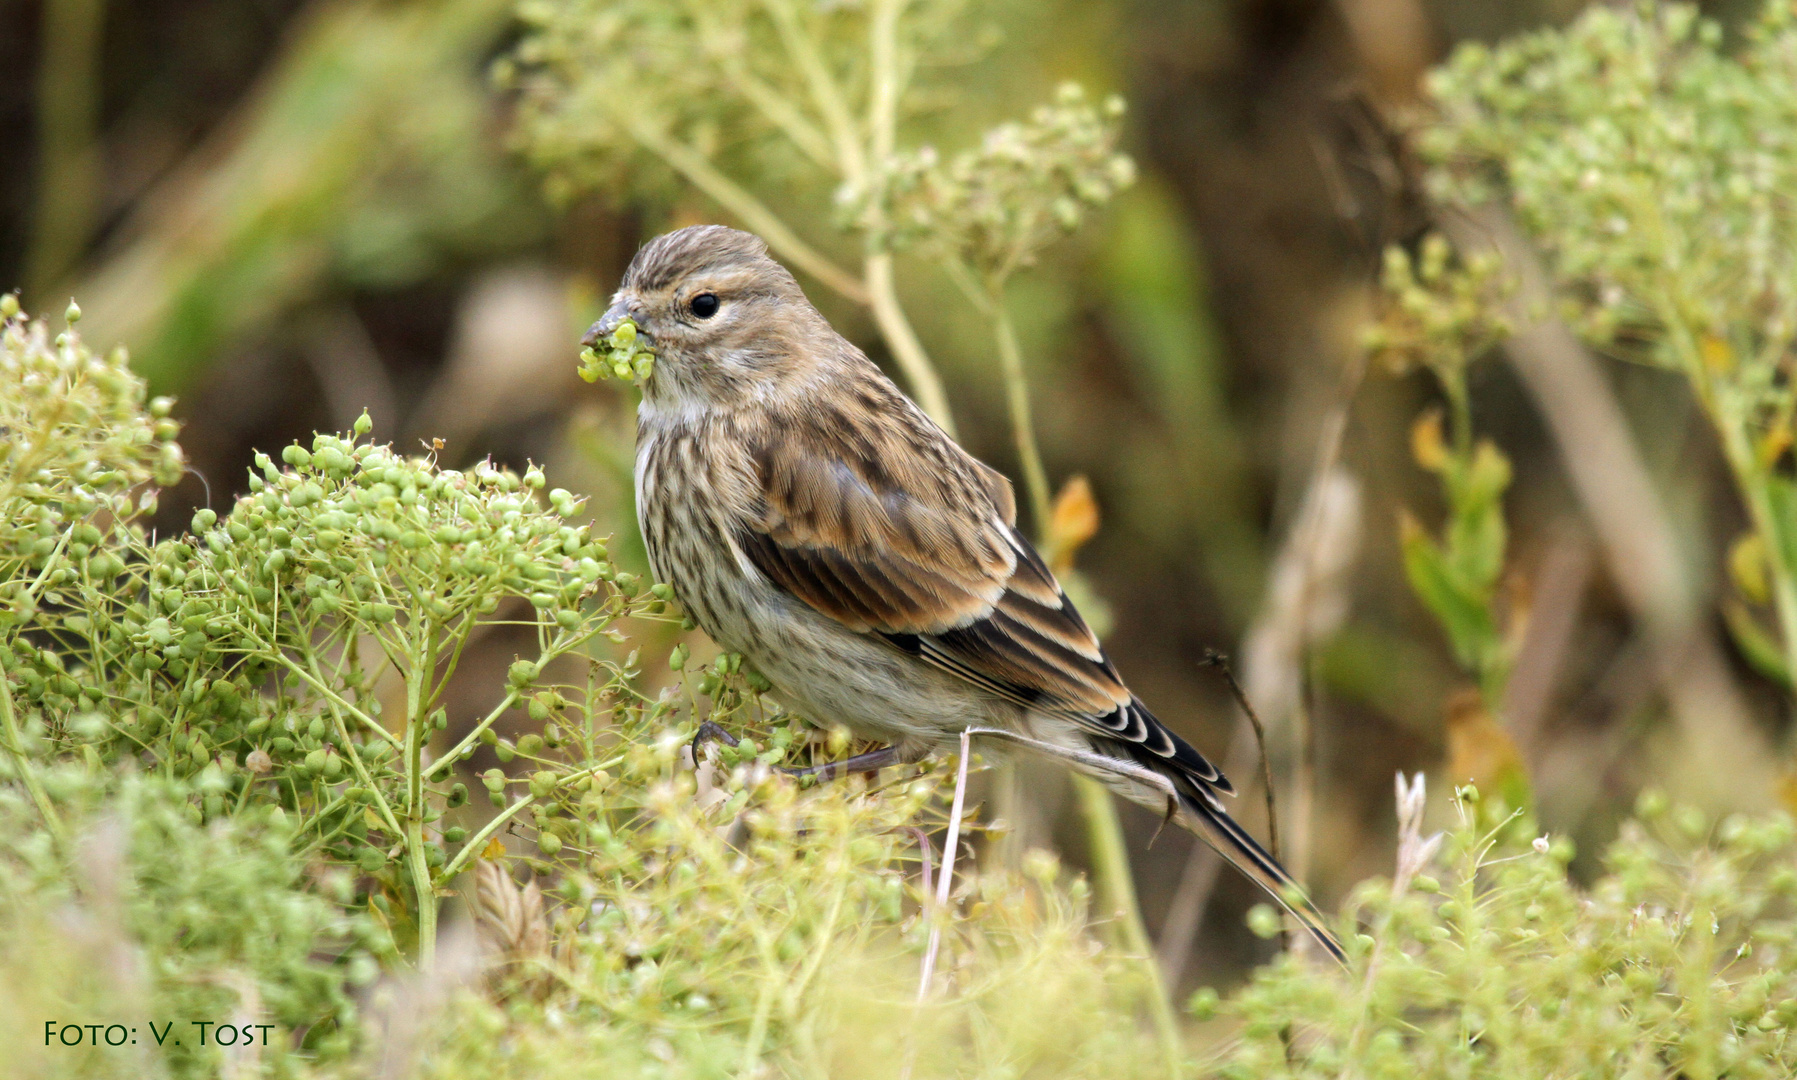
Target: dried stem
x=946 y=881
x=882 y=297
x=888 y=84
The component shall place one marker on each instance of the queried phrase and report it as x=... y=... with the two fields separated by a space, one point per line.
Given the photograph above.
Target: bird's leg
x=871 y=761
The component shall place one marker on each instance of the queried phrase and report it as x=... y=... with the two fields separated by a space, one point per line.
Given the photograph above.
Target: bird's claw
x=709 y=731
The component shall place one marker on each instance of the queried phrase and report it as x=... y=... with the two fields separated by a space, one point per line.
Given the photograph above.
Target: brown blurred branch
x=1554 y=607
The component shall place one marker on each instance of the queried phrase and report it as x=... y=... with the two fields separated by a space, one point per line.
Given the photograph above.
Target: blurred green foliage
x=359 y=161
x=1652 y=163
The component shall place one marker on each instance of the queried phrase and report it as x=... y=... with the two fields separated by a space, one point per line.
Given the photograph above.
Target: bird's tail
x=1222 y=832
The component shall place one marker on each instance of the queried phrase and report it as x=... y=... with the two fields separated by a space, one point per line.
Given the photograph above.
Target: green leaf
x=1781 y=493
x=1758 y=647
x=1462 y=612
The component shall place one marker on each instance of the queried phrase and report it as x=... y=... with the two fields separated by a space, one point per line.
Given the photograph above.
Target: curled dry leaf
x=510 y=918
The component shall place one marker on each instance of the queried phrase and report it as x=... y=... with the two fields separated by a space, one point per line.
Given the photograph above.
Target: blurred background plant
x=294 y=212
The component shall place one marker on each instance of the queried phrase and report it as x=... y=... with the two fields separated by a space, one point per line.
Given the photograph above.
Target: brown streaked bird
x=811 y=517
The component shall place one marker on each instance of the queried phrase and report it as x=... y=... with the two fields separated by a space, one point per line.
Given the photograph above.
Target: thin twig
x=925 y=854
x=1213 y=658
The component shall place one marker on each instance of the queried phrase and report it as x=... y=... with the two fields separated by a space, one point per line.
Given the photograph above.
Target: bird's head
x=725 y=321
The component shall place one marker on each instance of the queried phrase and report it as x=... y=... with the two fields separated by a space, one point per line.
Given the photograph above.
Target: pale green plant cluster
x=1483 y=959
x=738 y=924
x=245 y=656
x=624 y=357
x=987 y=211
x=155 y=917
x=1653 y=163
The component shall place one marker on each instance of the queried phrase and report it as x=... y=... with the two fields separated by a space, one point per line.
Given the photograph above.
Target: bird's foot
x=871 y=761
x=709 y=732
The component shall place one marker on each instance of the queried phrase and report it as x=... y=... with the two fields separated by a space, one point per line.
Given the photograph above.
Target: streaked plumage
x=809 y=516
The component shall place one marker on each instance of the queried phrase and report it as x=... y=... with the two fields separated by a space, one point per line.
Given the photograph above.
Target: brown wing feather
x=888 y=527
x=857 y=520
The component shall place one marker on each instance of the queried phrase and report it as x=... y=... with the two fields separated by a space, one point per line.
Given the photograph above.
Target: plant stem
x=472 y=847
x=325 y=691
x=1727 y=413
x=16 y=747
x=68 y=180
x=449 y=759
x=1304 y=782
x=1213 y=658
x=1110 y=865
x=902 y=340
x=1023 y=424
x=1104 y=832
x=753 y=212
x=826 y=93
x=415 y=809
x=886 y=85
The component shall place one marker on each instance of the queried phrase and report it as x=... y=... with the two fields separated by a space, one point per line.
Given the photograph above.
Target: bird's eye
x=705 y=305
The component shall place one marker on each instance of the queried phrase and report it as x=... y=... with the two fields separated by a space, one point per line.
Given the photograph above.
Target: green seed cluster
x=79 y=446
x=1654 y=166
x=1435 y=311
x=237 y=663
x=624 y=357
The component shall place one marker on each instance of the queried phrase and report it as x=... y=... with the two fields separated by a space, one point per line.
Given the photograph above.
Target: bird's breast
x=683 y=502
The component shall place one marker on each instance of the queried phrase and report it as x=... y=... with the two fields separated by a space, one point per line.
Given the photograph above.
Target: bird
x=811 y=517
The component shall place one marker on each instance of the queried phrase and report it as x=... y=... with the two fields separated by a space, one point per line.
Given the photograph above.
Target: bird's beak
x=602 y=329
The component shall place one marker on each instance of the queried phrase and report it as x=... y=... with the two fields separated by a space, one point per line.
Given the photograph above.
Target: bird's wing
x=882 y=523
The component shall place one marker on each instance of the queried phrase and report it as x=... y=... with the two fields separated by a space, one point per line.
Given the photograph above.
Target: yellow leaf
x=1426 y=443
x=1073 y=521
x=1747 y=568
x=1787 y=789
x=1773 y=444
x=493 y=850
